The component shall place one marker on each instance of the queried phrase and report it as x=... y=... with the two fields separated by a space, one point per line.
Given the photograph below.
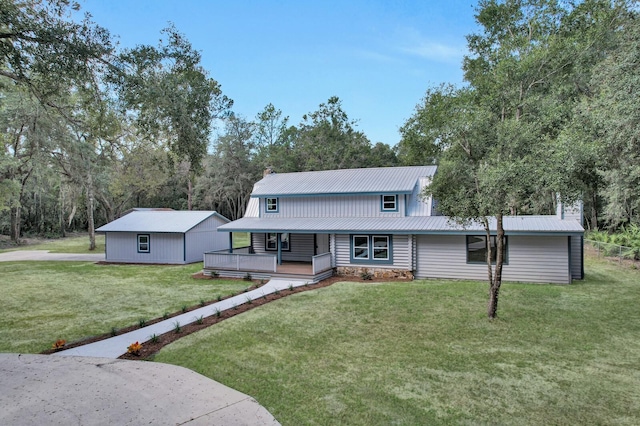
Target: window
x=380 y=247
x=271 y=243
x=371 y=249
x=477 y=249
x=389 y=203
x=271 y=205
x=144 y=245
x=360 y=247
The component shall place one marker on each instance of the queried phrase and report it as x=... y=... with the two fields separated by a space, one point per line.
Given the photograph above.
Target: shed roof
x=392 y=180
x=523 y=225
x=159 y=221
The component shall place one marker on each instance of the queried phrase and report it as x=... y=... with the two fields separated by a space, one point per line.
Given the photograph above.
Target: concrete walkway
x=44 y=390
x=115 y=346
x=22 y=255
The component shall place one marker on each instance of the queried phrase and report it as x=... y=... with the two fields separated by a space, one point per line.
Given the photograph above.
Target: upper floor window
x=144 y=245
x=389 y=203
x=271 y=205
x=477 y=249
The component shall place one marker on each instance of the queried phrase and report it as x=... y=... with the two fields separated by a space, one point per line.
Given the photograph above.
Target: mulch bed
x=149 y=348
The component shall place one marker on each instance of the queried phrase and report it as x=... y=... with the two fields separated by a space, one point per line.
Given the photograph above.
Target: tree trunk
x=15 y=224
x=494 y=288
x=91 y=224
x=189 y=192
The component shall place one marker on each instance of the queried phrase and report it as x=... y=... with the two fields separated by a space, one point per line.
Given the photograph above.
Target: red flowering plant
x=134 y=348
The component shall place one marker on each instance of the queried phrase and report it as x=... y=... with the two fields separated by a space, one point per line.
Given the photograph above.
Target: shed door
x=322 y=243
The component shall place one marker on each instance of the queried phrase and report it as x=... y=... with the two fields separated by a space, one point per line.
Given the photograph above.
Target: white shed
x=169 y=237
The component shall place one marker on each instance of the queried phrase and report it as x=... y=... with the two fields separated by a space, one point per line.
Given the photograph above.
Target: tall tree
x=172 y=97
x=497 y=139
x=230 y=172
x=327 y=139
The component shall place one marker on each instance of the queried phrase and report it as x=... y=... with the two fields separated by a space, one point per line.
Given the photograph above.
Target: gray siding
x=173 y=248
x=302 y=247
x=204 y=237
x=401 y=253
x=418 y=205
x=332 y=206
x=531 y=259
x=164 y=248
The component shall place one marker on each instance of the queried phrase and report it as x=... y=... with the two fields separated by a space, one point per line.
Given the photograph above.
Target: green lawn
x=65 y=245
x=423 y=352
x=45 y=301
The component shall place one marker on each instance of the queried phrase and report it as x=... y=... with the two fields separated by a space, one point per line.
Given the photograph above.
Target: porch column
x=279 y=238
x=230 y=242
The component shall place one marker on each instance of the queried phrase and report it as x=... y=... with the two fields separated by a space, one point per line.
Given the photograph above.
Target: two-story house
x=312 y=224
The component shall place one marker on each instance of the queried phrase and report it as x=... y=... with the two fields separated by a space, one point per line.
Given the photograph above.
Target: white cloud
x=412 y=42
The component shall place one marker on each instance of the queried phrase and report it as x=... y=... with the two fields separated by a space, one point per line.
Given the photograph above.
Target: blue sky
x=379 y=57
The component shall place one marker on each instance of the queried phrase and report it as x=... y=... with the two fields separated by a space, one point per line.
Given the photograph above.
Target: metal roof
x=159 y=221
x=393 y=180
x=403 y=225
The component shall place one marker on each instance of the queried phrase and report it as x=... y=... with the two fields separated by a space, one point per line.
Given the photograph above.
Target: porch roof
x=523 y=225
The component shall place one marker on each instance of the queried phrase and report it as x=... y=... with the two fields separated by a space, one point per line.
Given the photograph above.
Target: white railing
x=320 y=263
x=240 y=261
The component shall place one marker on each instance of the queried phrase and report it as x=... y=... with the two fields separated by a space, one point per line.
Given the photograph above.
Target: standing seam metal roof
x=410 y=225
x=346 y=181
x=159 y=221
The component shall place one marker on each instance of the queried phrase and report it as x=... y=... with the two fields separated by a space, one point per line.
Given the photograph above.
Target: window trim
x=266 y=241
x=395 y=203
x=371 y=260
x=276 y=203
x=148 y=243
x=353 y=248
x=505 y=250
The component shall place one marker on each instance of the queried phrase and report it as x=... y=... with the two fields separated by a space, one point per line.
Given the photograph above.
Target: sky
x=379 y=57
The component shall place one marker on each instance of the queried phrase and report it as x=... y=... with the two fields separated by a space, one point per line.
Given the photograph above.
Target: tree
x=47 y=53
x=327 y=140
x=230 y=172
x=497 y=139
x=172 y=98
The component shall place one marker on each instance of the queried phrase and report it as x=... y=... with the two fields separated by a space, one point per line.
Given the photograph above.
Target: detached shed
x=157 y=236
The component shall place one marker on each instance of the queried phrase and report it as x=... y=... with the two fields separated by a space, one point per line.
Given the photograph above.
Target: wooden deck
x=297 y=270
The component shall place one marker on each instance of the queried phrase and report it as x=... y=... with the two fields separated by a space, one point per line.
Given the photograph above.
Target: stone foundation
x=356 y=271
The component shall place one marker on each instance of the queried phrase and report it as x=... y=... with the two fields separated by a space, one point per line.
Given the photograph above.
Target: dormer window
x=389 y=203
x=271 y=205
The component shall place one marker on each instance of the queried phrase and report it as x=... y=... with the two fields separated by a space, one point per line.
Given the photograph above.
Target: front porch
x=265 y=266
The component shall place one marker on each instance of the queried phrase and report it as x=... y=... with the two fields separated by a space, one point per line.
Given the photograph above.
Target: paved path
x=113 y=347
x=21 y=255
x=44 y=390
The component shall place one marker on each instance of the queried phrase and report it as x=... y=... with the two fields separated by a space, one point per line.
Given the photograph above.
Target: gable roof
x=381 y=180
x=159 y=221
x=513 y=225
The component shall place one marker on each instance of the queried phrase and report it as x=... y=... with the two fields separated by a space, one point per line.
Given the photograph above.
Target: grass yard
x=45 y=301
x=423 y=352
x=64 y=245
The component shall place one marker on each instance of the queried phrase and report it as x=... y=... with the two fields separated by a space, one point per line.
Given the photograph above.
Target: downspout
x=230 y=242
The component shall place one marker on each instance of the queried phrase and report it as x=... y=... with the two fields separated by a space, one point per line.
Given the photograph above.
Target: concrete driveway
x=21 y=255
x=49 y=390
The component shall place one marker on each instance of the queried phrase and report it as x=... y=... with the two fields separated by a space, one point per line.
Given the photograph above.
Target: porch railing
x=320 y=263
x=240 y=261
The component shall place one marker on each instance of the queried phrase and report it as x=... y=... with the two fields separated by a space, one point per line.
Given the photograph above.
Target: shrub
x=247 y=277
x=366 y=275
x=142 y=322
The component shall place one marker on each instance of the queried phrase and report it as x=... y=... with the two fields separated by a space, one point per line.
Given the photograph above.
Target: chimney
x=267 y=172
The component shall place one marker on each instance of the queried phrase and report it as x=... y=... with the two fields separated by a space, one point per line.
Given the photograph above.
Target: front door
x=322 y=243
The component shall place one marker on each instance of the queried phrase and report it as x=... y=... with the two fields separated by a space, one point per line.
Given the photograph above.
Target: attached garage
x=528 y=258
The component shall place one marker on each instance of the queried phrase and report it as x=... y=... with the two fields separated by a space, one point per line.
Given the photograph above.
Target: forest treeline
x=90 y=130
